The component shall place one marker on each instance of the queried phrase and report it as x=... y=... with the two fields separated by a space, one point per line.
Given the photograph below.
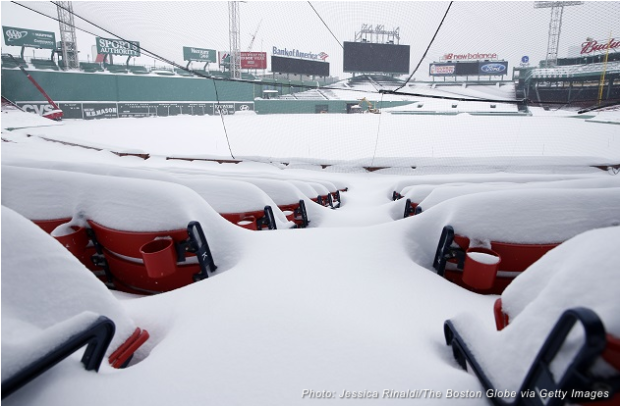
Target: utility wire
x=149 y=53
x=427 y=48
x=596 y=106
x=223 y=123
x=604 y=106
x=53 y=18
x=217 y=97
x=154 y=55
x=374 y=153
x=325 y=24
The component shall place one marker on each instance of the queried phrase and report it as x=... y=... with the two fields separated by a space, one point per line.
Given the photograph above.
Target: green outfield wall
x=106 y=95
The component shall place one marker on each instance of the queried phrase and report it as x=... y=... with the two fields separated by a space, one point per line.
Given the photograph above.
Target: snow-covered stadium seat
x=52 y=306
x=575 y=283
x=507 y=239
x=241 y=203
x=153 y=219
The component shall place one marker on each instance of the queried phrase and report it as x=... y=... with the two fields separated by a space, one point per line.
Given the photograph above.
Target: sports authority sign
x=118 y=47
x=22 y=37
x=296 y=53
x=253 y=60
x=199 y=54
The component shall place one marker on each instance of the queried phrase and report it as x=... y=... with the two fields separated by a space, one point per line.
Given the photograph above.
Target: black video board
x=299 y=66
x=371 y=57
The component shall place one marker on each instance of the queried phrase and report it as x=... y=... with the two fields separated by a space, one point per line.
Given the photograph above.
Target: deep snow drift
x=350 y=303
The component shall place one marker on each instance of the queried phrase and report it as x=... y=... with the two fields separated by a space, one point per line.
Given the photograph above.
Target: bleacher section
x=312 y=94
x=577 y=70
x=44 y=64
x=138 y=70
x=12 y=62
x=116 y=68
x=377 y=81
x=91 y=67
x=182 y=72
x=163 y=72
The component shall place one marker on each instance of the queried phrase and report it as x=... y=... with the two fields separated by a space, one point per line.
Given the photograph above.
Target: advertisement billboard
x=442 y=69
x=594 y=47
x=199 y=54
x=22 y=37
x=223 y=58
x=493 y=68
x=296 y=53
x=371 y=57
x=299 y=66
x=253 y=60
x=97 y=110
x=469 y=57
x=476 y=68
x=117 y=47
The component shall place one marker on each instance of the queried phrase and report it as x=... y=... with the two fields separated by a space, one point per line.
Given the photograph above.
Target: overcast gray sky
x=510 y=29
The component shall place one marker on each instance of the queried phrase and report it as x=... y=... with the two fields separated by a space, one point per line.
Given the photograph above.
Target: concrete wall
x=277 y=106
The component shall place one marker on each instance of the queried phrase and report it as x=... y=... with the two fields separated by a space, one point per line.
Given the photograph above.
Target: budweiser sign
x=591 y=46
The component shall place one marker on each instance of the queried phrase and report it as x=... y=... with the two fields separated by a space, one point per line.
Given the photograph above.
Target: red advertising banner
x=253 y=60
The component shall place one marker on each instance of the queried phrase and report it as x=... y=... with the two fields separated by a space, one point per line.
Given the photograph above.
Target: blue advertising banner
x=493 y=68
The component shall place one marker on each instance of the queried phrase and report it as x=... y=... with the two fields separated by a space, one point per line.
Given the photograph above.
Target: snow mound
x=120 y=203
x=14 y=119
x=581 y=272
x=44 y=285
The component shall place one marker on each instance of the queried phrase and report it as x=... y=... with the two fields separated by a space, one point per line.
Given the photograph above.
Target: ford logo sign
x=493 y=68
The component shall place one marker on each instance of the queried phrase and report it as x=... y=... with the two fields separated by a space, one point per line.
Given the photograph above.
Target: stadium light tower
x=555 y=26
x=234 y=40
x=68 y=41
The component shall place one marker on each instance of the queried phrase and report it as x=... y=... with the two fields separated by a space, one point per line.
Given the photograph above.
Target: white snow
x=15 y=119
x=580 y=273
x=350 y=303
x=41 y=290
x=484 y=258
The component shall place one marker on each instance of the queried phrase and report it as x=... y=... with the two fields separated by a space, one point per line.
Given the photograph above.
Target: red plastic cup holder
x=75 y=242
x=480 y=269
x=159 y=258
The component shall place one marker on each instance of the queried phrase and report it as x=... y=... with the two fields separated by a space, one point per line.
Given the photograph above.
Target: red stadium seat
x=49 y=225
x=577 y=380
x=452 y=262
x=123 y=354
x=254 y=220
x=296 y=213
x=152 y=262
x=410 y=208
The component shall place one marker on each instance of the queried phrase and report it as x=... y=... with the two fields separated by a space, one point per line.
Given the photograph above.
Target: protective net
x=442 y=77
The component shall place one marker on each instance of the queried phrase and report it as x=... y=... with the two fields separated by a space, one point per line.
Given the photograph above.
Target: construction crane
x=555 y=26
x=254 y=36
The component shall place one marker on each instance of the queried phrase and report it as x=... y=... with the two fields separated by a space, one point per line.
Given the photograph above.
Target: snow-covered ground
x=350 y=303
